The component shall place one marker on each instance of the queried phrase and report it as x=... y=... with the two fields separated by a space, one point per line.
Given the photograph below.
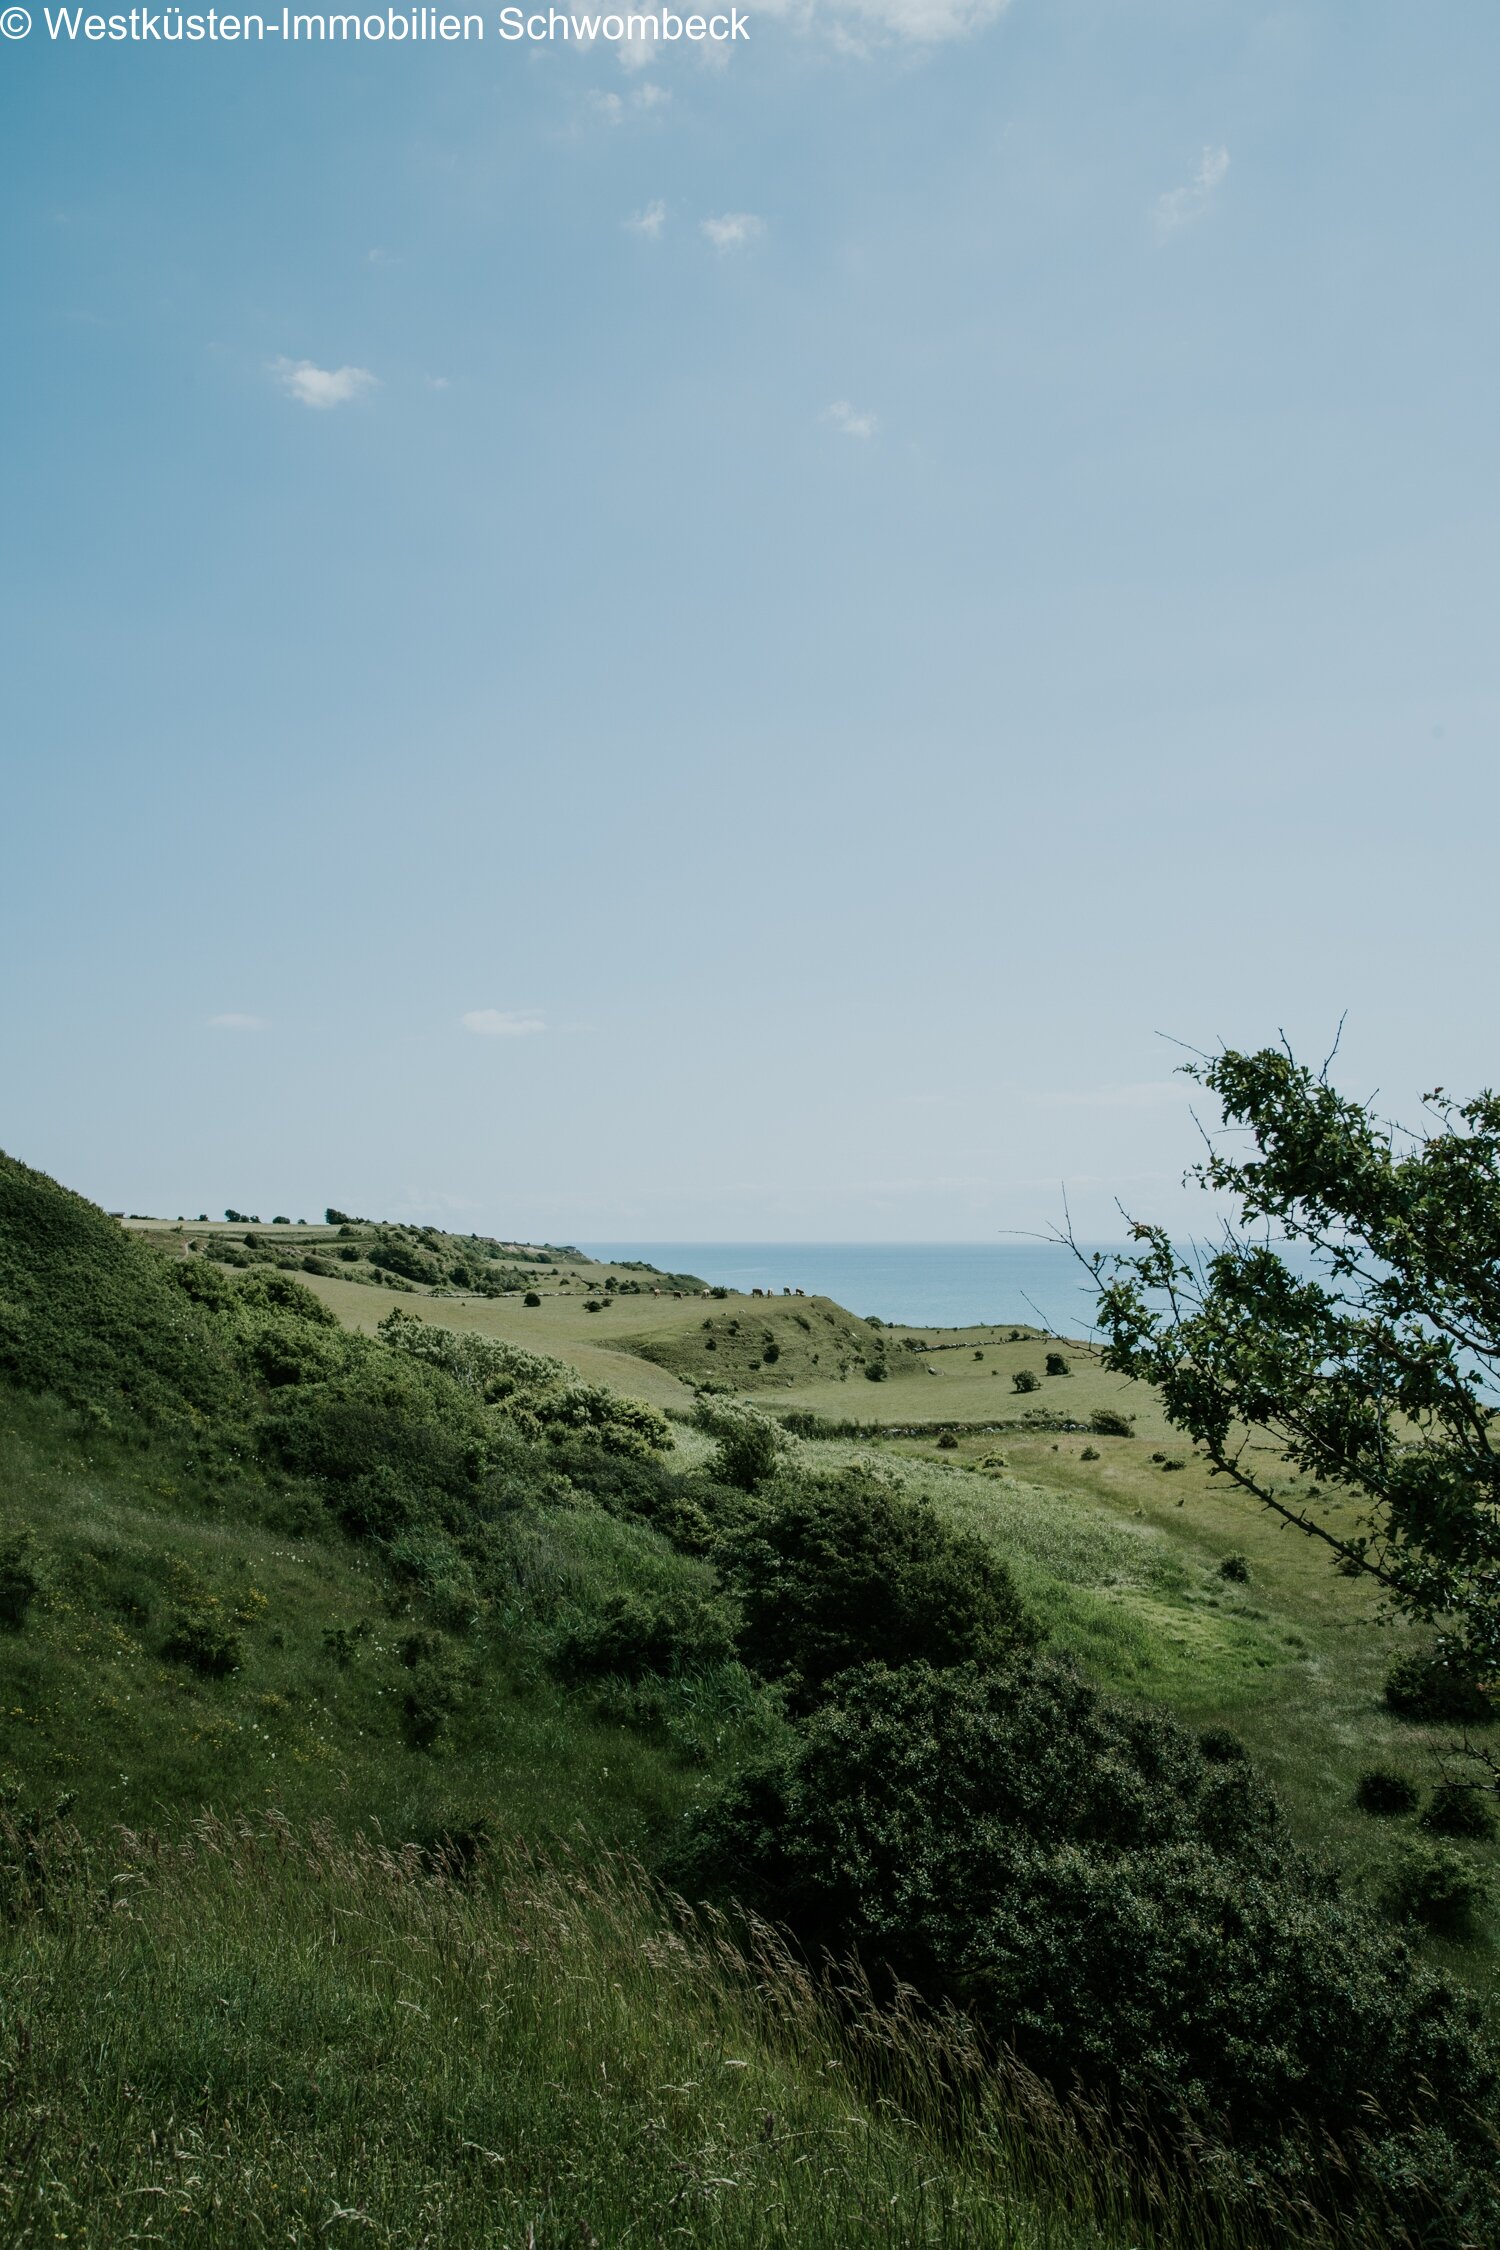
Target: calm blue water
x=933 y=1285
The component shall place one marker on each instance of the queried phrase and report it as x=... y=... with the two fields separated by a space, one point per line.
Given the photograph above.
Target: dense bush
x=837 y=1570
x=1108 y=1421
x=751 y=1445
x=203 y=1640
x=1430 y=1684
x=1026 y=1379
x=1117 y=1908
x=1057 y=1364
x=390 y=1438
x=19 y=1584
x=1236 y=1568
x=1436 y=1887
x=1385 y=1793
x=1454 y=1810
x=644 y=1488
x=632 y=1635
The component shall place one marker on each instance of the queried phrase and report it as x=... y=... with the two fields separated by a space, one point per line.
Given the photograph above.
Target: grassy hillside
x=1120 y=1540
x=363 y=1561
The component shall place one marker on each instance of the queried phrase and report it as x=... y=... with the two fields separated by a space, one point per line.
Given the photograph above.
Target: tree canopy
x=1351 y=1313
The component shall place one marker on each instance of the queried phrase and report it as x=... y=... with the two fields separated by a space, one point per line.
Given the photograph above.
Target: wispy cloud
x=648 y=222
x=613 y=107
x=321 y=386
x=734 y=230
x=851 y=421
x=232 y=1022
x=503 y=1023
x=1181 y=206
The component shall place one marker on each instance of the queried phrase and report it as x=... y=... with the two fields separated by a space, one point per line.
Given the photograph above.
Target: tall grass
x=251 y=2035
x=247 y=2035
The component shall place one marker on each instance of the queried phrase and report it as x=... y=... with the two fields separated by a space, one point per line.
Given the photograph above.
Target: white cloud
x=438 y=383
x=650 y=96
x=503 y=1023
x=734 y=230
x=648 y=222
x=321 y=386
x=608 y=106
x=1180 y=206
x=852 y=422
x=231 y=1022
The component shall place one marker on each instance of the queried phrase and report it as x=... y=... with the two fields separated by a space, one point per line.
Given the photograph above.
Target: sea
x=929 y=1284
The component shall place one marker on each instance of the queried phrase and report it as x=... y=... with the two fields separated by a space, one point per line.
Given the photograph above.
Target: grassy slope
x=538 y=2060
x=1120 y=1556
x=92 y=1710
x=237 y=2036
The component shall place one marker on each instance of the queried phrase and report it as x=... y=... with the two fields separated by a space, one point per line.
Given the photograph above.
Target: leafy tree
x=1369 y=1357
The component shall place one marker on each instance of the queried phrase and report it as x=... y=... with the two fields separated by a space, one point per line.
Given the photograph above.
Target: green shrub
x=1057 y=1364
x=641 y=1487
x=204 y=1641
x=632 y=1636
x=840 y=1569
x=1430 y=1684
x=1026 y=1379
x=19 y=1584
x=531 y=1298
x=1437 y=1888
x=1385 y=1793
x=266 y=1291
x=1108 y=1421
x=341 y=1642
x=1089 y=1453
x=1236 y=1568
x=948 y=1442
x=751 y=1445
x=1122 y=1912
x=1454 y=1810
x=770 y=1351
x=1221 y=1748
x=435 y=1691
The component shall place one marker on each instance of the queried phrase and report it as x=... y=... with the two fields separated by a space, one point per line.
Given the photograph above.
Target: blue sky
x=603 y=646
